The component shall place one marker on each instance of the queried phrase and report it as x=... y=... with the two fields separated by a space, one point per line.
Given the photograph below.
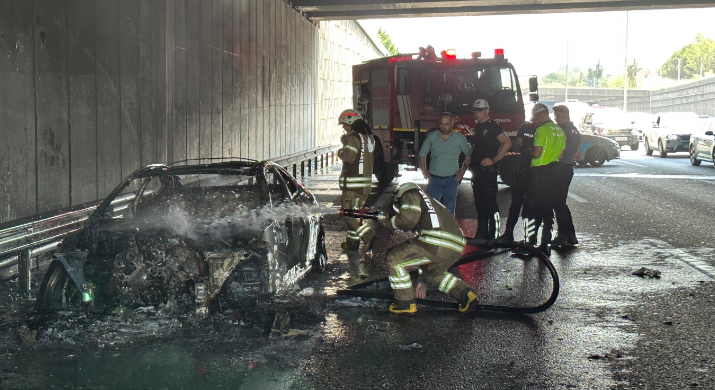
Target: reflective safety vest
x=357 y=156
x=434 y=224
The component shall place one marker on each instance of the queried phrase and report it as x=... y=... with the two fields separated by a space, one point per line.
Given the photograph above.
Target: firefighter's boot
x=467 y=298
x=350 y=245
x=403 y=307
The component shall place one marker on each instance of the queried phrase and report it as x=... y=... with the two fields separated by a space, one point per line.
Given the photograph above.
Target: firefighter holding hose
x=437 y=246
x=355 y=179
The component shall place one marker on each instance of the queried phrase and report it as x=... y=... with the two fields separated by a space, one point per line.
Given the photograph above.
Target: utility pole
x=625 y=77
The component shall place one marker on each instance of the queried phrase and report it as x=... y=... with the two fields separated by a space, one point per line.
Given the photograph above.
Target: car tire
x=661 y=149
x=648 y=150
x=58 y=291
x=321 y=255
x=694 y=160
x=635 y=146
x=596 y=156
x=384 y=172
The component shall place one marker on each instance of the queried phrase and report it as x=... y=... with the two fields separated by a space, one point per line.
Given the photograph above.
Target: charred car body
x=199 y=236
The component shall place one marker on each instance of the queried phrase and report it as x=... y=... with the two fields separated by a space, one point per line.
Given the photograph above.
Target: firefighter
x=438 y=244
x=356 y=177
x=489 y=145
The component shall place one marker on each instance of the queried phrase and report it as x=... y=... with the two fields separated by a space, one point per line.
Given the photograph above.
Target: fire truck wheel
x=384 y=172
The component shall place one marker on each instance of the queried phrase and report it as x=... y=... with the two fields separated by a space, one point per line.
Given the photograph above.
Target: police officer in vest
x=356 y=177
x=438 y=244
x=489 y=145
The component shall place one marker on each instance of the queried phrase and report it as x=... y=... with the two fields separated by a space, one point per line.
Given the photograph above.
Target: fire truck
x=402 y=97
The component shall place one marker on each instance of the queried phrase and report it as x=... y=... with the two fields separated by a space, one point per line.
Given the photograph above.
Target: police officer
x=489 y=145
x=356 y=177
x=567 y=231
x=523 y=144
x=549 y=144
x=438 y=244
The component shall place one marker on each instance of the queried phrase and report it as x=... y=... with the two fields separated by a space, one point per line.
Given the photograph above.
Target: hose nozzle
x=363 y=213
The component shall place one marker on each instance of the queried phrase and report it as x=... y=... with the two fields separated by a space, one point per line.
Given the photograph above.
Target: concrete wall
x=91 y=90
x=697 y=96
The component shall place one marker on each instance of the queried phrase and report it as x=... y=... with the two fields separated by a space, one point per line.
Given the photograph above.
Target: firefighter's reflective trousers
x=414 y=253
x=356 y=232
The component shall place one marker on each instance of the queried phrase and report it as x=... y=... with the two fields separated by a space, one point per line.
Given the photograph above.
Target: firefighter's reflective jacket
x=436 y=228
x=356 y=154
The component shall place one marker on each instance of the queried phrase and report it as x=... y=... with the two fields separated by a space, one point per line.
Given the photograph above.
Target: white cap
x=538 y=107
x=480 y=104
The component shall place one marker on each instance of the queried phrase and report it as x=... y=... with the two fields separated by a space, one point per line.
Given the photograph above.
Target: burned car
x=203 y=236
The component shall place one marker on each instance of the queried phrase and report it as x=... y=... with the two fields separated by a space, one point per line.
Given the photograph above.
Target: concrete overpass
x=373 y=9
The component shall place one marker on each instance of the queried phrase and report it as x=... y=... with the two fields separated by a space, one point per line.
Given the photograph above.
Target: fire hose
x=488 y=250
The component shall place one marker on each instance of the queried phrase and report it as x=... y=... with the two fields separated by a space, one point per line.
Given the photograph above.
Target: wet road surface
x=608 y=328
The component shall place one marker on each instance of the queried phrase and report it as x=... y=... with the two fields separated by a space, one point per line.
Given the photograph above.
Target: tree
x=387 y=42
x=594 y=77
x=632 y=70
x=695 y=60
x=576 y=78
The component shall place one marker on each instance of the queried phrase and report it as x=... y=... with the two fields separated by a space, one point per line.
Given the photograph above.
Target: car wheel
x=321 y=256
x=384 y=172
x=58 y=291
x=661 y=149
x=648 y=150
x=635 y=146
x=596 y=156
x=693 y=160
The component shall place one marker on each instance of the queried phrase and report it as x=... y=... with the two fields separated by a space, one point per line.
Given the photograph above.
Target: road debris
x=651 y=273
x=409 y=347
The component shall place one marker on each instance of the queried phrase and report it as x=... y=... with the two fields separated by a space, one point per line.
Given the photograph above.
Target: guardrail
x=24 y=239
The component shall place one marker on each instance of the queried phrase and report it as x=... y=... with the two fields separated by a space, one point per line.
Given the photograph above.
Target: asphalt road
x=608 y=329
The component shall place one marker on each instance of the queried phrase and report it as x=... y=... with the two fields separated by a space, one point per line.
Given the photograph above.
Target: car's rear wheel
x=58 y=291
x=635 y=146
x=648 y=150
x=596 y=156
x=661 y=149
x=321 y=256
x=693 y=160
x=384 y=172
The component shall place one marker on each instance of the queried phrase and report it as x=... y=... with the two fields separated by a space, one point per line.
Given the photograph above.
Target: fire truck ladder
x=489 y=249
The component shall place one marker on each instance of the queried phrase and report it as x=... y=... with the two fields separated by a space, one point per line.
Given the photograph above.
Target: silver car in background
x=671 y=133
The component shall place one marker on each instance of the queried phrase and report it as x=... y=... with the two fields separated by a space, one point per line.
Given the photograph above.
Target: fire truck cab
x=402 y=97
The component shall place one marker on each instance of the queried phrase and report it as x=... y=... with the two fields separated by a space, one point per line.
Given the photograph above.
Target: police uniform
x=438 y=244
x=567 y=231
x=522 y=177
x=484 y=179
x=356 y=183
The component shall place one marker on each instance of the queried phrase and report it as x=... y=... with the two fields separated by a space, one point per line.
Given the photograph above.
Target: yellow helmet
x=348 y=117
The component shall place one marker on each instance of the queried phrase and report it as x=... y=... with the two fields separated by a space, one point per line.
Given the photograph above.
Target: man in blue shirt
x=444 y=174
x=567 y=232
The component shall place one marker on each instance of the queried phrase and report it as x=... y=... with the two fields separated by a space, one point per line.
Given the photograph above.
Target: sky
x=538 y=44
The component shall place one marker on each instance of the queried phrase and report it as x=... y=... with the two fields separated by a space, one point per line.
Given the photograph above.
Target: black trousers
x=484 y=187
x=561 y=209
x=539 y=203
x=518 y=192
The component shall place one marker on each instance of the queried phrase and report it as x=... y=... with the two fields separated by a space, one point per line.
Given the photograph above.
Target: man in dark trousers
x=438 y=244
x=567 y=232
x=549 y=144
x=522 y=144
x=489 y=145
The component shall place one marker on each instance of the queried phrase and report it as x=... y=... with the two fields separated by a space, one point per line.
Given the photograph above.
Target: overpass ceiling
x=374 y=9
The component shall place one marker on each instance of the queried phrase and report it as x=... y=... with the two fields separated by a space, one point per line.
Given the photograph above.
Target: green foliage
x=632 y=70
x=694 y=58
x=557 y=79
x=615 y=81
x=594 y=77
x=387 y=42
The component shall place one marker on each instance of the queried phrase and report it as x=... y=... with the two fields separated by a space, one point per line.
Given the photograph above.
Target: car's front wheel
x=58 y=291
x=661 y=149
x=693 y=160
x=648 y=150
x=596 y=156
x=321 y=255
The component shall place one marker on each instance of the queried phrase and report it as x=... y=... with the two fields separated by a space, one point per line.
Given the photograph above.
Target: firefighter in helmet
x=438 y=244
x=356 y=177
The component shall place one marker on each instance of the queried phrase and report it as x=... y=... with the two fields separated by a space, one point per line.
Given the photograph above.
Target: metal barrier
x=24 y=239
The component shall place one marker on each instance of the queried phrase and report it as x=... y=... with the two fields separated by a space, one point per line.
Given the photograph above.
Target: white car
x=672 y=133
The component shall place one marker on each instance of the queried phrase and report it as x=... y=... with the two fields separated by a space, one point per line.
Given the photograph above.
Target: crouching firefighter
x=438 y=244
x=356 y=177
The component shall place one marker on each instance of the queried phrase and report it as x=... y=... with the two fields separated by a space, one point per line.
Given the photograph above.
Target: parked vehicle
x=702 y=143
x=612 y=124
x=196 y=236
x=641 y=121
x=596 y=150
x=671 y=133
